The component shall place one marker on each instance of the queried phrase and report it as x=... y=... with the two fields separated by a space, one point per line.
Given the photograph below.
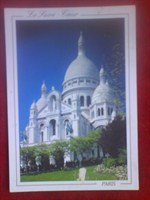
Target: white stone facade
x=86 y=102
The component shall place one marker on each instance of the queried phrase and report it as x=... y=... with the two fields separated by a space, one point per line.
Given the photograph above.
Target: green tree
x=43 y=152
x=114 y=136
x=58 y=149
x=95 y=139
x=27 y=155
x=122 y=157
x=81 y=145
x=116 y=62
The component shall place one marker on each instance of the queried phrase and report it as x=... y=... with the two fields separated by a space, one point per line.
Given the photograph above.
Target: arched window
x=88 y=101
x=81 y=100
x=68 y=127
x=109 y=111
x=53 y=127
x=41 y=137
x=66 y=124
x=102 y=111
x=92 y=114
x=69 y=101
x=98 y=112
x=41 y=126
x=53 y=102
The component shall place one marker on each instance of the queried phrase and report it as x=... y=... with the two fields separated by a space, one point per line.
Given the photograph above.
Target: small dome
x=41 y=103
x=33 y=105
x=103 y=93
x=43 y=100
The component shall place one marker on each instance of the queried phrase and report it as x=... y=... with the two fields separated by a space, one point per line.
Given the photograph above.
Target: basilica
x=86 y=102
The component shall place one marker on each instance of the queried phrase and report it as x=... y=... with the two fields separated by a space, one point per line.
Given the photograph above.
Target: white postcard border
x=126 y=12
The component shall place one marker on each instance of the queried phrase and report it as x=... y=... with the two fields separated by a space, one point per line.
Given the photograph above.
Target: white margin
x=126 y=12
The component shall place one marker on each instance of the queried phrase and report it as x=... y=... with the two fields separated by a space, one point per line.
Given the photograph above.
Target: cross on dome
x=102 y=75
x=53 y=88
x=43 y=89
x=81 y=45
x=101 y=70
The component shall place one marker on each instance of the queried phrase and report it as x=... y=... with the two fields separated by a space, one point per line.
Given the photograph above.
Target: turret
x=33 y=110
x=102 y=75
x=43 y=90
x=81 y=45
x=32 y=123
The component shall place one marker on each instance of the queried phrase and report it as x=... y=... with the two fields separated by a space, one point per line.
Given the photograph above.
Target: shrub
x=109 y=162
x=87 y=161
x=91 y=161
x=120 y=171
x=122 y=158
x=70 y=164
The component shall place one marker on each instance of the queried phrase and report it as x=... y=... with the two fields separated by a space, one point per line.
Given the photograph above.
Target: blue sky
x=46 y=48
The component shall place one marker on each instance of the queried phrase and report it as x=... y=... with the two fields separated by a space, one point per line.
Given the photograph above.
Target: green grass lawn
x=67 y=175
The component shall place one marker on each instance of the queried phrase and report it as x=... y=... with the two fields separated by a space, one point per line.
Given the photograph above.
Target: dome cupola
x=82 y=66
x=33 y=106
x=43 y=100
x=102 y=75
x=43 y=89
x=81 y=45
x=103 y=92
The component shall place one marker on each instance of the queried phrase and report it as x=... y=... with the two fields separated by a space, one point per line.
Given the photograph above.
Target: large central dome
x=81 y=66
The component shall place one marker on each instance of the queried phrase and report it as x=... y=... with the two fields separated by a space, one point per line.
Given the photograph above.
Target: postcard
x=72 y=98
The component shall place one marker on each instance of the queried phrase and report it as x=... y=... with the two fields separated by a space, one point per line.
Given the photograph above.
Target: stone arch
x=88 y=101
x=82 y=101
x=98 y=112
x=41 y=136
x=53 y=127
x=102 y=111
x=69 y=101
x=53 y=102
x=41 y=132
x=68 y=126
x=54 y=99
